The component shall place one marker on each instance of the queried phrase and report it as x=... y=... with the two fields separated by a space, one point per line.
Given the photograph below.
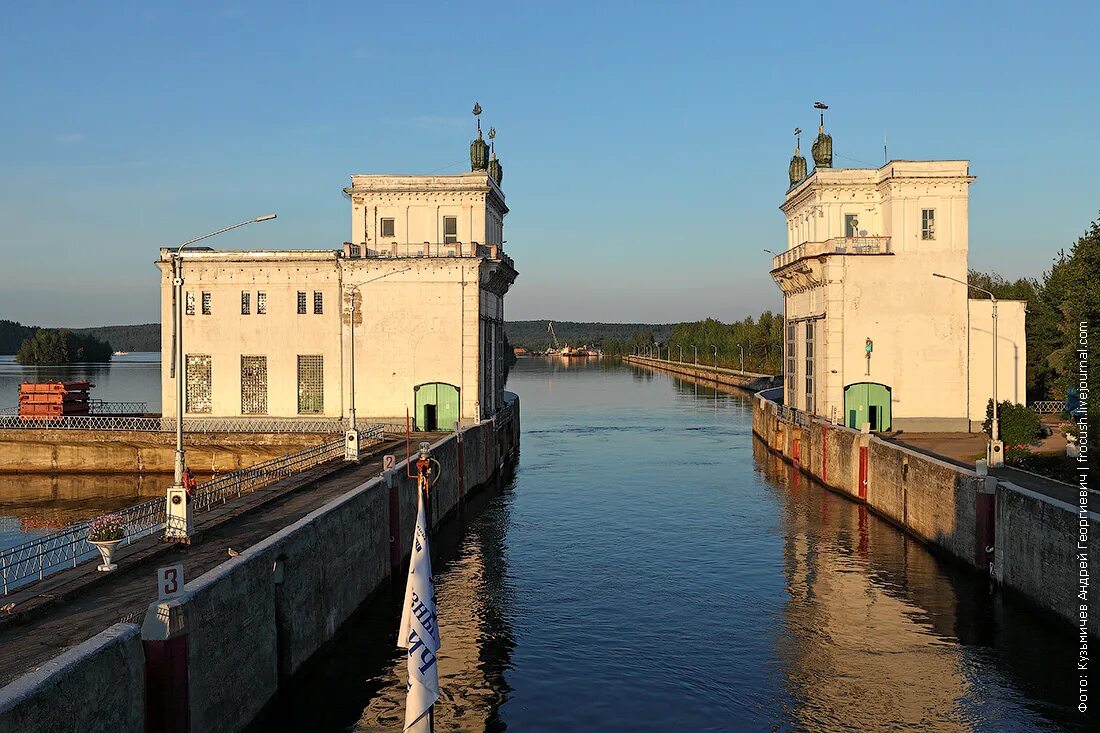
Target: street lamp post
x=995 y=449
x=716 y=362
x=178 y=515
x=696 y=350
x=681 y=354
x=742 y=349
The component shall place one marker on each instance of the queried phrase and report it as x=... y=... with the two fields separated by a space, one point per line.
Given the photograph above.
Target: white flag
x=419 y=630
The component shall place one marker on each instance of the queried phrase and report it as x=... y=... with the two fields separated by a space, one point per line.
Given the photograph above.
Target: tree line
x=1065 y=296
x=62 y=346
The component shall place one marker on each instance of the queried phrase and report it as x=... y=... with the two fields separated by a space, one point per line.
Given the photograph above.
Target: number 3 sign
x=169 y=581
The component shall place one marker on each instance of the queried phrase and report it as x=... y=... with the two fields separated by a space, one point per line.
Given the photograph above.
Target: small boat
x=121 y=353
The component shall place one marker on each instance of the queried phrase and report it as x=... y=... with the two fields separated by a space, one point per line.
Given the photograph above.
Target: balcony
x=834 y=246
x=423 y=250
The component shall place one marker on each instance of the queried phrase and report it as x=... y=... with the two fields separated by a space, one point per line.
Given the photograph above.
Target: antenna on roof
x=885 y=157
x=477 y=114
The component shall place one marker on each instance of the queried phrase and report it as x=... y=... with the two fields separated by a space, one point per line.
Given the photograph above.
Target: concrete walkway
x=959 y=449
x=73 y=605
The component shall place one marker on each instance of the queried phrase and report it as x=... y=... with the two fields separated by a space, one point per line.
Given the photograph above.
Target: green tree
x=61 y=346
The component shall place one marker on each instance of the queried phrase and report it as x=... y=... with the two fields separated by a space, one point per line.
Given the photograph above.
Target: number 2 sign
x=388 y=462
x=169 y=581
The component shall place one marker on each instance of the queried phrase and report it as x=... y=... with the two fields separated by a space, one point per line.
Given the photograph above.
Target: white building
x=871 y=334
x=269 y=333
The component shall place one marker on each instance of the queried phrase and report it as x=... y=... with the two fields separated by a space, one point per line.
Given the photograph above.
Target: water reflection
x=358 y=682
x=656 y=569
x=133 y=377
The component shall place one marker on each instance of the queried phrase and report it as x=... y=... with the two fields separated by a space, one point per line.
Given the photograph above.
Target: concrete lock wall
x=1036 y=555
x=246 y=626
x=1033 y=537
x=96 y=686
x=254 y=621
x=127 y=451
x=703 y=373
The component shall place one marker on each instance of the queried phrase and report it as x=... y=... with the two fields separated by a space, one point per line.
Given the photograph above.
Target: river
x=650 y=567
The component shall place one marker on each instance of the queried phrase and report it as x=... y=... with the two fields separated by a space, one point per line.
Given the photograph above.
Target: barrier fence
x=137 y=423
x=68 y=547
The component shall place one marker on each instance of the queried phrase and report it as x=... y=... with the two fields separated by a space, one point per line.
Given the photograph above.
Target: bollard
x=167 y=696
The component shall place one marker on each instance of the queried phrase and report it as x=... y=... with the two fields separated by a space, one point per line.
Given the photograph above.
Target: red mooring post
x=863 y=473
x=167 y=696
x=985 y=525
x=795 y=451
x=393 y=486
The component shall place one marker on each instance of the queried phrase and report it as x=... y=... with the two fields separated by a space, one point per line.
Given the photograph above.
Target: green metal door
x=867 y=402
x=436 y=406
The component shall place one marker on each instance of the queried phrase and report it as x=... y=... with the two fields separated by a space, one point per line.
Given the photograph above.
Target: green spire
x=798 y=163
x=479 y=150
x=496 y=172
x=823 y=145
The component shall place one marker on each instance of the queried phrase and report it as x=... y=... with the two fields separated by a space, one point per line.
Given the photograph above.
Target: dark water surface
x=651 y=568
x=32 y=505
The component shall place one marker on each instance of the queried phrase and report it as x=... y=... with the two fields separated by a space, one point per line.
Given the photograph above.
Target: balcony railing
x=422 y=249
x=834 y=246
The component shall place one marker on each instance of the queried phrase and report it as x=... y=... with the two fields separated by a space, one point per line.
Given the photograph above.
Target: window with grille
x=311 y=385
x=198 y=383
x=318 y=302
x=206 y=303
x=261 y=303
x=928 y=224
x=809 y=366
x=790 y=359
x=190 y=303
x=450 y=229
x=387 y=227
x=253 y=385
x=301 y=302
x=246 y=302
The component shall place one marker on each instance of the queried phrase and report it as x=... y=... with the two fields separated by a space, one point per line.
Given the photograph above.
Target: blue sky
x=645 y=145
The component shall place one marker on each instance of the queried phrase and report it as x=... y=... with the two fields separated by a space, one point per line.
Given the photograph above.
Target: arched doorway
x=867 y=402
x=436 y=406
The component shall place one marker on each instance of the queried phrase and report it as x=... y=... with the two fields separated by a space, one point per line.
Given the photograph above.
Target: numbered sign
x=169 y=581
x=388 y=462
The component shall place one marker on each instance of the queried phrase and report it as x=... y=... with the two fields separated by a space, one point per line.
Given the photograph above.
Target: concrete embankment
x=134 y=451
x=1030 y=539
x=213 y=657
x=704 y=374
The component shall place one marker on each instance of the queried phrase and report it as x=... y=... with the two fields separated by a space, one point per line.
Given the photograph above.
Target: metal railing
x=793 y=415
x=68 y=547
x=102 y=407
x=425 y=249
x=834 y=246
x=138 y=423
x=1048 y=407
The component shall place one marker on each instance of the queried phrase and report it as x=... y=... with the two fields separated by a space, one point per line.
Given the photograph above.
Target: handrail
x=834 y=246
x=68 y=547
x=137 y=423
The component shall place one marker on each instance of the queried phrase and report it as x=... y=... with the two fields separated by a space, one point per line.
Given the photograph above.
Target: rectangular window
x=253 y=385
x=311 y=385
x=206 y=303
x=190 y=303
x=450 y=229
x=928 y=224
x=246 y=302
x=301 y=302
x=851 y=225
x=387 y=227
x=318 y=302
x=809 y=366
x=198 y=384
x=790 y=362
x=261 y=303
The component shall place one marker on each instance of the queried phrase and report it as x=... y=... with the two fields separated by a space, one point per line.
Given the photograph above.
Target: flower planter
x=107 y=550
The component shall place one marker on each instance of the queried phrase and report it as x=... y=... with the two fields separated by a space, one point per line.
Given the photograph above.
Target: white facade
x=269 y=333
x=862 y=247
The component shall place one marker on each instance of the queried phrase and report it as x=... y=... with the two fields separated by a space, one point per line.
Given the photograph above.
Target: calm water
x=33 y=505
x=651 y=568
